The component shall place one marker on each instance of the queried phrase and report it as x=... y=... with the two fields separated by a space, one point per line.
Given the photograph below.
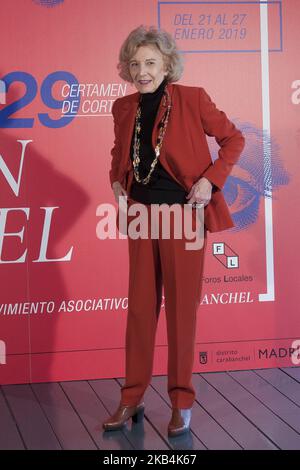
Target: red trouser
x=153 y=263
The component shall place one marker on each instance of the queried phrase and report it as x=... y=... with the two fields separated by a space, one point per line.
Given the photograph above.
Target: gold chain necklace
x=136 y=146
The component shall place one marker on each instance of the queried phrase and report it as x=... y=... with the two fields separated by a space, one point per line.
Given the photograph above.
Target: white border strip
x=264 y=47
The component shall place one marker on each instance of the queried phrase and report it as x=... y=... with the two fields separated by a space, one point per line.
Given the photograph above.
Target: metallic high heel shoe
x=180 y=421
x=123 y=413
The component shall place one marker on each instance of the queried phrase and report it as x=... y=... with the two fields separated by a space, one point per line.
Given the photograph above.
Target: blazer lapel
x=129 y=110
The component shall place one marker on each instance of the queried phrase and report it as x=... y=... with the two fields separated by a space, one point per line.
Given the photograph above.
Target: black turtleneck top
x=162 y=188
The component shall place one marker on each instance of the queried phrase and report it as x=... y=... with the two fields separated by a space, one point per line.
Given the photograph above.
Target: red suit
x=184 y=153
x=165 y=262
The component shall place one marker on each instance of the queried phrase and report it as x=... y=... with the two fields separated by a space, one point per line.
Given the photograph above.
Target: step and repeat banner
x=63 y=290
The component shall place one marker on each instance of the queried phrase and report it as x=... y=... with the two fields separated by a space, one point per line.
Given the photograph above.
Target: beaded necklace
x=136 y=147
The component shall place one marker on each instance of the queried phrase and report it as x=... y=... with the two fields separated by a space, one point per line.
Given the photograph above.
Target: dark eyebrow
x=134 y=60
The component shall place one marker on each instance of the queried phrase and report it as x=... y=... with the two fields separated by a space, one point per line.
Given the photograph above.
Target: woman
x=161 y=155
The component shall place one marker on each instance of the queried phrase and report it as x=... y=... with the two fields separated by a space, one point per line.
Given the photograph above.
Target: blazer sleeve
x=116 y=150
x=229 y=138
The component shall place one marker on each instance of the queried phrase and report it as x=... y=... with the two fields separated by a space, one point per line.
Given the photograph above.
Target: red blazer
x=184 y=152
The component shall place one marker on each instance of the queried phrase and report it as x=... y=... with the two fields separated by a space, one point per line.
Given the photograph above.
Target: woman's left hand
x=200 y=192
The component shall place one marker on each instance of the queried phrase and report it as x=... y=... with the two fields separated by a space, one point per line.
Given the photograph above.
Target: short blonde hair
x=163 y=40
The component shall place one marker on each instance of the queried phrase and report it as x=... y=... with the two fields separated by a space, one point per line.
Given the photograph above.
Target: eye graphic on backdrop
x=2 y=92
x=253 y=176
x=32 y=89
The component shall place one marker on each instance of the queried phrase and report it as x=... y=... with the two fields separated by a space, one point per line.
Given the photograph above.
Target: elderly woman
x=161 y=156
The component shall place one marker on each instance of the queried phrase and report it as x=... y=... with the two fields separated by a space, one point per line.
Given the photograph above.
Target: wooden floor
x=253 y=409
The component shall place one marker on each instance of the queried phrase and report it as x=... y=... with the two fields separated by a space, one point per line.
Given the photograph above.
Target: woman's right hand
x=118 y=190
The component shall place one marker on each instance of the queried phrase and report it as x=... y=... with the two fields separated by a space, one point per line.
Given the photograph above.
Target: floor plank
x=229 y=416
x=203 y=425
x=252 y=409
x=282 y=381
x=10 y=437
x=140 y=435
x=158 y=414
x=272 y=398
x=92 y=412
x=293 y=372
